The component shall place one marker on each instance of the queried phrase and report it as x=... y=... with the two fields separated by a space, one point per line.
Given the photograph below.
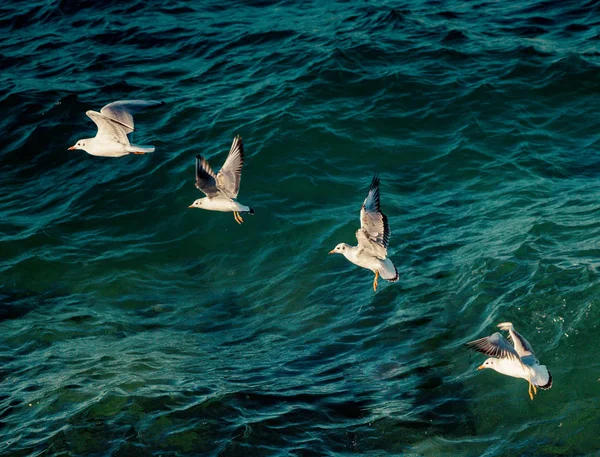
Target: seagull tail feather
x=139 y=149
x=549 y=383
x=389 y=272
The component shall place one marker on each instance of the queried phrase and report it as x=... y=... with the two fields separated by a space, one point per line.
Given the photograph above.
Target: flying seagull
x=222 y=189
x=516 y=360
x=373 y=237
x=115 y=122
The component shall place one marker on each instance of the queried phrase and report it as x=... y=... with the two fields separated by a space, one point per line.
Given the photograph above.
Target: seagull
x=373 y=237
x=516 y=360
x=222 y=189
x=114 y=123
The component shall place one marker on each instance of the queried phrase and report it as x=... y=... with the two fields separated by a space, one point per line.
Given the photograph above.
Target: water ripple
x=132 y=325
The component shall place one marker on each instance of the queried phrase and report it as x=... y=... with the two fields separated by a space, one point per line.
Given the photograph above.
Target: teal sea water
x=131 y=325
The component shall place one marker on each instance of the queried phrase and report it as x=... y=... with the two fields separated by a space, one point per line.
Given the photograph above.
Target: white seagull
x=516 y=360
x=222 y=189
x=373 y=237
x=114 y=123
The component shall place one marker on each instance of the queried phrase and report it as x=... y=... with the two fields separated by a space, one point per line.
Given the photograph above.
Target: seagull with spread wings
x=221 y=189
x=516 y=360
x=115 y=122
x=373 y=238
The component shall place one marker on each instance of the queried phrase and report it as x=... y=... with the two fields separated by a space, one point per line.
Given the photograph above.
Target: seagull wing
x=374 y=232
x=230 y=174
x=121 y=112
x=494 y=346
x=522 y=346
x=109 y=130
x=205 y=178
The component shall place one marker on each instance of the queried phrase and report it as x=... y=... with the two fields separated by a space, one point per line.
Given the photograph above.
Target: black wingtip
x=474 y=345
x=374 y=190
x=375 y=181
x=386 y=229
x=251 y=212
x=241 y=145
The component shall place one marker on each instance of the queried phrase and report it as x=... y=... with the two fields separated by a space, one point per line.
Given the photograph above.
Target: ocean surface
x=131 y=325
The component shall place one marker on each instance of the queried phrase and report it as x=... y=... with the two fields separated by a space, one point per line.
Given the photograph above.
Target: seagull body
x=356 y=255
x=517 y=360
x=224 y=205
x=516 y=370
x=221 y=189
x=115 y=122
x=373 y=238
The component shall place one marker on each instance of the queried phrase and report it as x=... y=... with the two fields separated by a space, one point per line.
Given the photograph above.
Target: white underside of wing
x=369 y=246
x=109 y=131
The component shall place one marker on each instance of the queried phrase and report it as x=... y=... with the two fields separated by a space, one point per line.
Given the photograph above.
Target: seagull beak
x=71 y=148
x=480 y=367
x=332 y=251
x=191 y=206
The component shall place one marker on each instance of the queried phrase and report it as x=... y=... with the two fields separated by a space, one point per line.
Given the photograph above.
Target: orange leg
x=530 y=391
x=375 y=281
x=238 y=218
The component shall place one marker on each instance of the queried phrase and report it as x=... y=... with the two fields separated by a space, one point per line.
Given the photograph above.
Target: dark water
x=133 y=326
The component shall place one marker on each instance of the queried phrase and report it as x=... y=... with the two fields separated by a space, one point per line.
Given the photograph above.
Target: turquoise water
x=132 y=325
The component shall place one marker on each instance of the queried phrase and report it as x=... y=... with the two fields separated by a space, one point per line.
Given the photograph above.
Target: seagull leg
x=375 y=281
x=530 y=391
x=534 y=389
x=238 y=218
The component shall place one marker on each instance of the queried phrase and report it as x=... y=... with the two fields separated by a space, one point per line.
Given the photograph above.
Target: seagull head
x=81 y=144
x=489 y=363
x=339 y=249
x=197 y=203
